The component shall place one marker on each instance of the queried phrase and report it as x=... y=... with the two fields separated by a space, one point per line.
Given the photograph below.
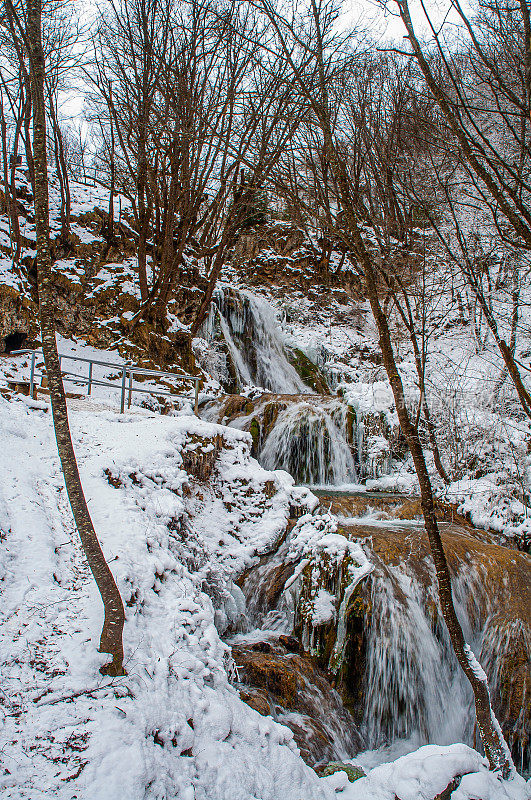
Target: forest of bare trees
x=203 y=116
x=211 y=116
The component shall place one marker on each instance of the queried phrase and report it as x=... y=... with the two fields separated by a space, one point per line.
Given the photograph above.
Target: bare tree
x=201 y=114
x=481 y=82
x=27 y=17
x=310 y=45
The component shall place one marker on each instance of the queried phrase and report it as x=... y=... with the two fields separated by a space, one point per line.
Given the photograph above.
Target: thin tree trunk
x=111 y=636
x=144 y=213
x=110 y=218
x=507 y=355
x=10 y=203
x=219 y=260
x=494 y=743
x=27 y=142
x=15 y=224
x=62 y=172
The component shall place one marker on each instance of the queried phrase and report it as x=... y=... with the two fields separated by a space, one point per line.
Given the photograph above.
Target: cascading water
x=310 y=442
x=250 y=329
x=397 y=670
x=413 y=685
x=320 y=440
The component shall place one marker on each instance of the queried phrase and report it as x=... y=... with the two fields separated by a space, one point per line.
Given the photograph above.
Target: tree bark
x=111 y=636
x=494 y=744
x=14 y=205
x=62 y=172
x=10 y=201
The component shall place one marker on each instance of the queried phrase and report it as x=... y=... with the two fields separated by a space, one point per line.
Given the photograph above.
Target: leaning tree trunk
x=494 y=743
x=111 y=636
x=496 y=749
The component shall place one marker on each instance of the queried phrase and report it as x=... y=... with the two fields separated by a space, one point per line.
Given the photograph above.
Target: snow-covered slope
x=174 y=726
x=177 y=536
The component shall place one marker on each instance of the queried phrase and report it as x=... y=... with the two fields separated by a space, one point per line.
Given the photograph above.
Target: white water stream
x=316 y=438
x=251 y=331
x=412 y=688
x=310 y=442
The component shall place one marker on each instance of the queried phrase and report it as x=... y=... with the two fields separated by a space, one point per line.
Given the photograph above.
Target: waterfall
x=242 y=371
x=250 y=328
x=310 y=442
x=320 y=440
x=413 y=685
x=387 y=645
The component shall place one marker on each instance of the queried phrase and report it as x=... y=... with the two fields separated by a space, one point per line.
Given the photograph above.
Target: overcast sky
x=368 y=12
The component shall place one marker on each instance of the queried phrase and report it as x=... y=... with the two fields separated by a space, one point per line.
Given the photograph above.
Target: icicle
x=341 y=637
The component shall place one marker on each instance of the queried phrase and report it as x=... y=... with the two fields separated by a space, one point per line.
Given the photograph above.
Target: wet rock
x=353 y=773
x=289 y=686
x=309 y=372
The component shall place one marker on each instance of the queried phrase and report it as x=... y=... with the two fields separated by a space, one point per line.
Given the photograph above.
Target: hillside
x=237 y=579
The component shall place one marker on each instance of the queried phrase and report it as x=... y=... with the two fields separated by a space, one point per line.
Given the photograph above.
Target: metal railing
x=128 y=371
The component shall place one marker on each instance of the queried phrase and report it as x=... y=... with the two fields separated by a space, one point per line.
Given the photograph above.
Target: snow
x=369 y=397
x=173 y=726
x=324 y=608
x=428 y=771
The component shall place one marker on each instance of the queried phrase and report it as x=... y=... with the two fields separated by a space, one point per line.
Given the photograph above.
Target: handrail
x=128 y=371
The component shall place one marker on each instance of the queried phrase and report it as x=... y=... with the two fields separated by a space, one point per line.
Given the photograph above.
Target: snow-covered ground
x=174 y=726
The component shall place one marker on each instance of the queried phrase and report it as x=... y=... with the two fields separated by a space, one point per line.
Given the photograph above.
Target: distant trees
x=15 y=119
x=478 y=71
x=200 y=114
x=60 y=35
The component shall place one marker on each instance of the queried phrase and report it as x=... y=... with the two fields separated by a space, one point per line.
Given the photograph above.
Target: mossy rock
x=254 y=430
x=353 y=773
x=309 y=372
x=269 y=418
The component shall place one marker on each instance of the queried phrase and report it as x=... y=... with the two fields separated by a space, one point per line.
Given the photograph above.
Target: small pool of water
x=331 y=491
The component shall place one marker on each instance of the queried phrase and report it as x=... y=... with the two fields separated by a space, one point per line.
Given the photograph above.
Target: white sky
x=388 y=27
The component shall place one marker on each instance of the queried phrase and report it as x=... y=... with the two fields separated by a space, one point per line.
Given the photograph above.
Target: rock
x=200 y=455
x=289 y=686
x=353 y=773
x=308 y=372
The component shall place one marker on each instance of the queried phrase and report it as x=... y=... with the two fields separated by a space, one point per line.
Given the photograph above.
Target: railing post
x=196 y=399
x=90 y=378
x=130 y=391
x=32 y=376
x=122 y=398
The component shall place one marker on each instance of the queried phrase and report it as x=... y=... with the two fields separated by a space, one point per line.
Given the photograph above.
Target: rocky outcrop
x=378 y=635
x=278 y=679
